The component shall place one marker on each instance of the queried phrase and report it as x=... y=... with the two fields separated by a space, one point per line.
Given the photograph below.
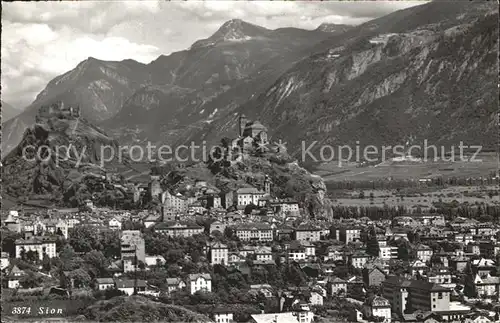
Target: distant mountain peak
x=330 y=27
x=233 y=30
x=236 y=29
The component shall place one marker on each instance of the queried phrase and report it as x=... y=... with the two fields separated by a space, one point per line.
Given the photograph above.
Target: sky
x=42 y=40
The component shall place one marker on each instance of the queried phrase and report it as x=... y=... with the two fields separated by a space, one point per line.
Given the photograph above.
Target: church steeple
x=243 y=120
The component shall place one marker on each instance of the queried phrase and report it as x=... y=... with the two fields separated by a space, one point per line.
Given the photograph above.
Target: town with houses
x=411 y=268
x=415 y=248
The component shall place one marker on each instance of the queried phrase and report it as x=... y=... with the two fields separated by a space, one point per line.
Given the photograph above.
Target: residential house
x=358 y=259
x=388 y=252
x=115 y=224
x=285 y=317
x=487 y=286
x=129 y=285
x=348 y=234
x=307 y=233
x=440 y=276
x=264 y=289
x=105 y=283
x=222 y=315
x=14 y=277
x=219 y=254
x=175 y=284
x=418 y=266
x=199 y=282
x=483 y=266
x=4 y=260
x=377 y=306
x=423 y=252
x=373 y=275
x=42 y=245
x=156 y=260
x=263 y=253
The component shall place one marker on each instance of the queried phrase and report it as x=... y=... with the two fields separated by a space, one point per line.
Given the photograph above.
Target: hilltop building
x=58 y=109
x=250 y=134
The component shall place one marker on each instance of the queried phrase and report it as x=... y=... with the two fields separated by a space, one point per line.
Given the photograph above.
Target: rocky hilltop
x=287 y=178
x=59 y=151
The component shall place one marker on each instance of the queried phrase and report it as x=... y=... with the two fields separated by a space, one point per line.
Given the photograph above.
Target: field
x=417 y=197
x=485 y=164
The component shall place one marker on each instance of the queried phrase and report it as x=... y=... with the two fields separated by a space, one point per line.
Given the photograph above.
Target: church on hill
x=250 y=134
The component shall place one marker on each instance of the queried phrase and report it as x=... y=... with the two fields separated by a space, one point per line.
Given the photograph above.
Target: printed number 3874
x=21 y=310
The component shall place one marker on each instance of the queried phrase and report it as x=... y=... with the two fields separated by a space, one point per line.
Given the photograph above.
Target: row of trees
x=387 y=184
x=449 y=210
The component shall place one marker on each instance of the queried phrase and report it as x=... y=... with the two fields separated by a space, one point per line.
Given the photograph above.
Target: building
x=423 y=252
x=358 y=259
x=250 y=134
x=286 y=317
x=199 y=282
x=41 y=245
x=248 y=195
x=132 y=249
x=388 y=252
x=373 y=276
x=217 y=226
x=15 y=275
x=105 y=283
x=378 y=306
x=222 y=315
x=219 y=254
x=129 y=285
x=347 y=235
x=114 y=224
x=285 y=206
x=487 y=286
x=254 y=232
x=307 y=233
x=179 y=229
x=175 y=284
x=175 y=202
x=4 y=261
x=412 y=295
x=263 y=253
x=337 y=286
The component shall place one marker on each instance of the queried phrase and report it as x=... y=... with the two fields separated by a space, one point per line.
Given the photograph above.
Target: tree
x=84 y=239
x=32 y=255
x=97 y=262
x=249 y=208
x=30 y=280
x=403 y=252
x=46 y=264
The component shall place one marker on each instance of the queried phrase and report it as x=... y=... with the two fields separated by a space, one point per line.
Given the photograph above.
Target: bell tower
x=243 y=120
x=267 y=185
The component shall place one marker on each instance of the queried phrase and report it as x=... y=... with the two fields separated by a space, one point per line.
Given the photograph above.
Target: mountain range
x=9 y=111
x=411 y=74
